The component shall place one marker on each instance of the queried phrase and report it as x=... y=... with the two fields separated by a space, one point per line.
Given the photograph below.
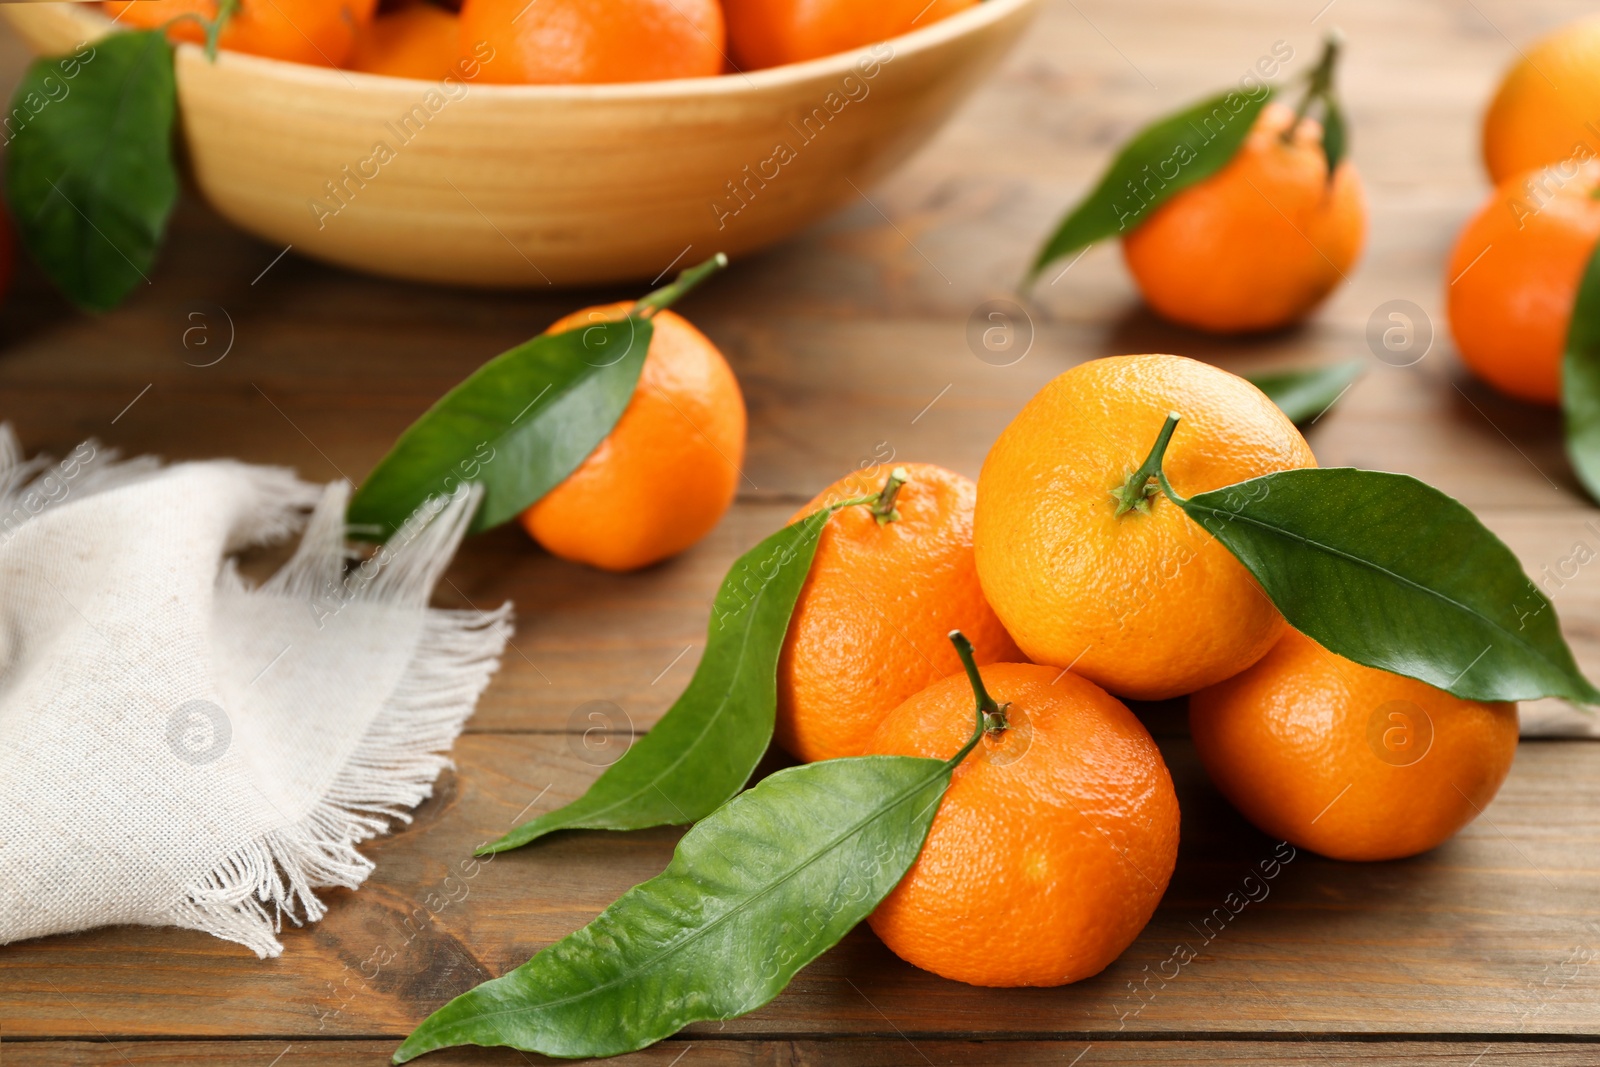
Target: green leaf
x=518 y=426
x=1580 y=380
x=707 y=745
x=754 y=893
x=1335 y=134
x=522 y=422
x=1161 y=160
x=90 y=176
x=1305 y=394
x=1387 y=571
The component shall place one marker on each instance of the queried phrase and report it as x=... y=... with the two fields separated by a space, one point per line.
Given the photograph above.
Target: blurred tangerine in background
x=768 y=33
x=415 y=40
x=1547 y=107
x=1512 y=279
x=319 y=32
x=1261 y=242
x=562 y=41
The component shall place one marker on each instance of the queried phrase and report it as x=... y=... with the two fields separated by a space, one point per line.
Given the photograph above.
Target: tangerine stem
x=1137 y=490
x=225 y=12
x=991 y=716
x=1319 y=84
x=686 y=280
x=884 y=510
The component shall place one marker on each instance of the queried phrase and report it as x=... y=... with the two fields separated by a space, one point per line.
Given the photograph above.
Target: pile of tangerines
x=1079 y=587
x=544 y=42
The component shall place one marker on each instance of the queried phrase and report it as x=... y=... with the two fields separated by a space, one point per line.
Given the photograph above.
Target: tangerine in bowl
x=463 y=180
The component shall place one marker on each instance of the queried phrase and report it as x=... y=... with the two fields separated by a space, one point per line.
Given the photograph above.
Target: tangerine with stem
x=1088 y=566
x=1053 y=844
x=885 y=586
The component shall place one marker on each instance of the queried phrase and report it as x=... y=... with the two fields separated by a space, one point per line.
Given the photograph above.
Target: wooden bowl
x=517 y=185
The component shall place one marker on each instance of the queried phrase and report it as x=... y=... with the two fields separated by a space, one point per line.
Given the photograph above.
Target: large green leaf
x=707 y=745
x=90 y=176
x=1580 y=380
x=522 y=422
x=1161 y=160
x=1305 y=394
x=1390 y=572
x=754 y=892
x=518 y=426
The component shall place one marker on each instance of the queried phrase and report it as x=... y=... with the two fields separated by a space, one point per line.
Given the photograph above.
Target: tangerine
x=1346 y=760
x=767 y=33
x=664 y=475
x=1258 y=244
x=1088 y=566
x=317 y=32
x=1543 y=110
x=869 y=628
x=1512 y=279
x=558 y=41
x=419 y=40
x=1054 y=842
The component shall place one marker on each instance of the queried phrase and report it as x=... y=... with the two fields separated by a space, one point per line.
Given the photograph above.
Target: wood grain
x=1492 y=933
x=850 y=341
x=893 y=1050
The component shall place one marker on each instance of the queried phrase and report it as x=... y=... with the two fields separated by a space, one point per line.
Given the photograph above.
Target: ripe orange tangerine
x=1258 y=244
x=666 y=473
x=1545 y=108
x=317 y=32
x=1512 y=280
x=419 y=40
x=1346 y=760
x=885 y=588
x=1088 y=566
x=1053 y=844
x=767 y=33
x=559 y=41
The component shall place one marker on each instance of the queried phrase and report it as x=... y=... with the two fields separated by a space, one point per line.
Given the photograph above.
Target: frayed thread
x=249 y=892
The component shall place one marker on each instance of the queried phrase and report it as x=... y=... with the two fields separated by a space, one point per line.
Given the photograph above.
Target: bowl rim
x=967 y=21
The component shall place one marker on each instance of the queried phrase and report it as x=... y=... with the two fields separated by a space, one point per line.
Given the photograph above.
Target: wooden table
x=851 y=340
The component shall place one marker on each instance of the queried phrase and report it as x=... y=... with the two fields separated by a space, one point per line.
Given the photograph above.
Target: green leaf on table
x=90 y=176
x=1387 y=571
x=1160 y=161
x=522 y=422
x=518 y=426
x=1303 y=395
x=1580 y=380
x=707 y=745
x=754 y=892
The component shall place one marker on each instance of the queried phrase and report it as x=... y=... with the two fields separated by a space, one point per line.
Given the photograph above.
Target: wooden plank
x=316 y=392
x=1494 y=933
x=849 y=340
x=892 y=1050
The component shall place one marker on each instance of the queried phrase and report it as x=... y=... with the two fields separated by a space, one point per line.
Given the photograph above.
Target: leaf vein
x=700 y=932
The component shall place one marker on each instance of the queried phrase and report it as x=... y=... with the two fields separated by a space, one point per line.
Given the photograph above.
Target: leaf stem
x=686 y=280
x=884 y=510
x=991 y=717
x=1137 y=490
x=225 y=13
x=211 y=27
x=1319 y=86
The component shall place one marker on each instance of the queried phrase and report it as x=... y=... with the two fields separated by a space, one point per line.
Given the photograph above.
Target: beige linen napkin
x=178 y=748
